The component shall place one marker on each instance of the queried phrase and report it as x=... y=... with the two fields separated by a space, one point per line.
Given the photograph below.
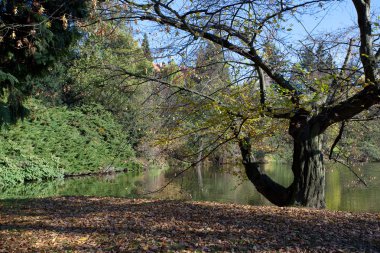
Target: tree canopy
x=33 y=34
x=325 y=79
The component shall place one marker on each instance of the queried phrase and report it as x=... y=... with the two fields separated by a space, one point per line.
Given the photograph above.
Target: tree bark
x=308 y=186
x=274 y=192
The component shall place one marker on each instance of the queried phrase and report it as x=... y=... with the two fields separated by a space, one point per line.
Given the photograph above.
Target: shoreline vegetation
x=89 y=224
x=58 y=142
x=105 y=171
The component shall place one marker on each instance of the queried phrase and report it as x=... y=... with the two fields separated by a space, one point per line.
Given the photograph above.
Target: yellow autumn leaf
x=41 y=10
x=64 y=22
x=83 y=239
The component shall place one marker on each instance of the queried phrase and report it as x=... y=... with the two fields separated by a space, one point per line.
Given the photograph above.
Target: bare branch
x=366 y=48
x=247 y=51
x=337 y=139
x=334 y=85
x=352 y=171
x=347 y=109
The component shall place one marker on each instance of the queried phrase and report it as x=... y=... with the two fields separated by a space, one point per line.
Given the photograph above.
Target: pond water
x=343 y=191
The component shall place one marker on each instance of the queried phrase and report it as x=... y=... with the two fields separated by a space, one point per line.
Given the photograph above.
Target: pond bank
x=88 y=224
x=102 y=172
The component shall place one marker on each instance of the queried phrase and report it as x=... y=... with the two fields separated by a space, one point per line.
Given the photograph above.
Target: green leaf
x=8 y=77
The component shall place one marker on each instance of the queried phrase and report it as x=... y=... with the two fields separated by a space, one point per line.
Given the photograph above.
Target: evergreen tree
x=146 y=48
x=211 y=71
x=33 y=35
x=316 y=59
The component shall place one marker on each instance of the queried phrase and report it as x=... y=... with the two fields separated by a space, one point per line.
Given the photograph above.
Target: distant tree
x=97 y=74
x=316 y=58
x=146 y=48
x=207 y=74
x=210 y=63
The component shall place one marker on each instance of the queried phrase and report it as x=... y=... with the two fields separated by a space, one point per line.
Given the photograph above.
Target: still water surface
x=343 y=191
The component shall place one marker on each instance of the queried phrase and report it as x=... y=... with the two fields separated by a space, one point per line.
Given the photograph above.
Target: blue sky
x=337 y=15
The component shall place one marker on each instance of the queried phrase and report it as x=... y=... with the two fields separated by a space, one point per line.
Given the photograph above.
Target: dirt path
x=85 y=224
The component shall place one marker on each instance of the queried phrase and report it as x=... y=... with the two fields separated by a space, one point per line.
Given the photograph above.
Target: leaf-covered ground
x=86 y=224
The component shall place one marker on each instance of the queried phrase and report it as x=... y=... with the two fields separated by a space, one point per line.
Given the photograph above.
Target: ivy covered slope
x=57 y=141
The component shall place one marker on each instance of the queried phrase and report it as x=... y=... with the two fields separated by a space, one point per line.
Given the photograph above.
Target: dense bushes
x=52 y=142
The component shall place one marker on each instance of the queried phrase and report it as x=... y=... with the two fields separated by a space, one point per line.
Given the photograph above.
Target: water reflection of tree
x=333 y=189
x=341 y=193
x=355 y=196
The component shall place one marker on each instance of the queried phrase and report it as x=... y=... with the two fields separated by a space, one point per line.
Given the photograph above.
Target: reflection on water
x=343 y=192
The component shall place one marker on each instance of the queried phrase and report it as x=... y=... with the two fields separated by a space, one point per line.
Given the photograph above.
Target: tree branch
x=334 y=85
x=274 y=192
x=262 y=86
x=337 y=139
x=370 y=95
x=366 y=47
x=377 y=56
x=250 y=53
x=352 y=171
x=347 y=109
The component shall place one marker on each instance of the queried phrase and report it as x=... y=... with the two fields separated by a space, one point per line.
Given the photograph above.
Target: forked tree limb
x=337 y=139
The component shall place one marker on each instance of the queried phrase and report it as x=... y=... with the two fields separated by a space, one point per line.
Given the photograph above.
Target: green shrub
x=55 y=141
x=27 y=168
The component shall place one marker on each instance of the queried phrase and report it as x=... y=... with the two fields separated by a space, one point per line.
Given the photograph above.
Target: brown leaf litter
x=88 y=224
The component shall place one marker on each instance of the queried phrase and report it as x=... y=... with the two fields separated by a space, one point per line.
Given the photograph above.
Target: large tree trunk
x=308 y=187
x=274 y=192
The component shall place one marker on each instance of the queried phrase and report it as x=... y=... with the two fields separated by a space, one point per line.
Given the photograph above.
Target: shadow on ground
x=86 y=224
